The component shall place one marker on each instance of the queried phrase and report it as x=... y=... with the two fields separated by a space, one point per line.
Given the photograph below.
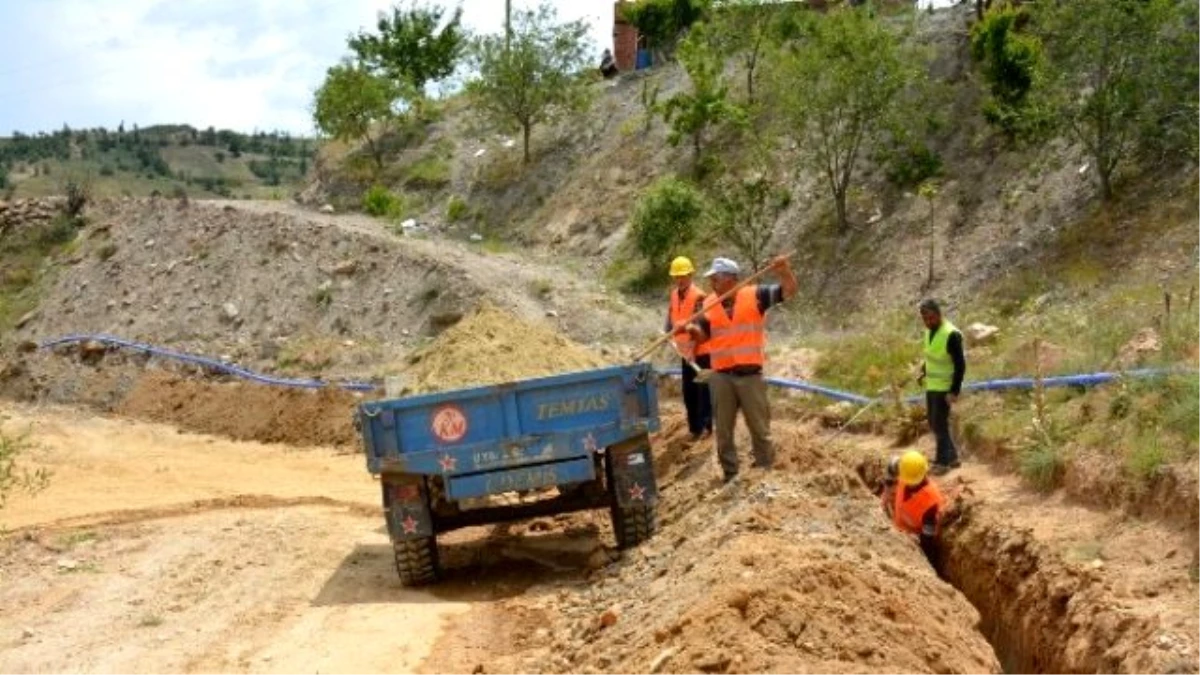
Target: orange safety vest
x=909 y=514
x=740 y=340
x=682 y=311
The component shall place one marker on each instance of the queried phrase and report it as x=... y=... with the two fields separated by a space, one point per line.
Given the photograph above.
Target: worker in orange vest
x=735 y=333
x=916 y=503
x=686 y=301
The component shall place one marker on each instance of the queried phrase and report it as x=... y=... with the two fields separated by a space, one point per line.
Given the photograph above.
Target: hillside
x=161 y=159
x=1002 y=211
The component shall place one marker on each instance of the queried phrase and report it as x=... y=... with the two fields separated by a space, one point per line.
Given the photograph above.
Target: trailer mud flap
x=632 y=466
x=406 y=507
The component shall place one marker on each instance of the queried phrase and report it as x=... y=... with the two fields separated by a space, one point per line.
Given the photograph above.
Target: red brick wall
x=625 y=39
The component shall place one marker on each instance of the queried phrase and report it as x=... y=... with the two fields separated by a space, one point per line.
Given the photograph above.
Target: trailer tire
x=634 y=524
x=416 y=561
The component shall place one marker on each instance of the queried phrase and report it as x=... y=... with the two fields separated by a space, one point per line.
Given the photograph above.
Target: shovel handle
x=721 y=298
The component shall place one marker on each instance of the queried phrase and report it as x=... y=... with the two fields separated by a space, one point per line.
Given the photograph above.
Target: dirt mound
x=789 y=571
x=242 y=411
x=492 y=347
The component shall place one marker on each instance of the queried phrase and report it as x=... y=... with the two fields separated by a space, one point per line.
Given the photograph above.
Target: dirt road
x=155 y=551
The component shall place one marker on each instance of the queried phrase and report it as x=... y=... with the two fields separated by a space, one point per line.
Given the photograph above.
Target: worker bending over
x=735 y=334
x=914 y=502
x=686 y=301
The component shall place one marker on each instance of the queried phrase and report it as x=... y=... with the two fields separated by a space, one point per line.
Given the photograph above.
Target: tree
x=928 y=191
x=748 y=206
x=706 y=106
x=537 y=79
x=660 y=22
x=1012 y=61
x=352 y=104
x=1113 y=67
x=855 y=72
x=413 y=46
x=747 y=29
x=665 y=218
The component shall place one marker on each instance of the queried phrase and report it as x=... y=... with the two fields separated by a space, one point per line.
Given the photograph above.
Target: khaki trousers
x=747 y=393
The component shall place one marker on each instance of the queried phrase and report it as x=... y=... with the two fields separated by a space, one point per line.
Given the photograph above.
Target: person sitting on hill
x=608 y=66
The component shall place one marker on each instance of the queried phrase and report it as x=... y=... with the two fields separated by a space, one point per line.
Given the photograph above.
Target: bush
x=106 y=170
x=662 y=21
x=381 y=202
x=457 y=209
x=431 y=171
x=11 y=476
x=1011 y=63
x=1146 y=457
x=1041 y=465
x=666 y=218
x=912 y=163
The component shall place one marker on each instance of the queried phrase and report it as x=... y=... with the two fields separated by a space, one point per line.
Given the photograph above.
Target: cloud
x=241 y=64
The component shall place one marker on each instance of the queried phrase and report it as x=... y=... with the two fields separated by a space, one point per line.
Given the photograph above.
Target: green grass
x=869 y=361
x=76 y=538
x=26 y=252
x=150 y=621
x=1147 y=455
x=1041 y=464
x=457 y=209
x=541 y=288
x=429 y=172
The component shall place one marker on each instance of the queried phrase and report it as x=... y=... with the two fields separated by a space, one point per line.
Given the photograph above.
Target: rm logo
x=449 y=424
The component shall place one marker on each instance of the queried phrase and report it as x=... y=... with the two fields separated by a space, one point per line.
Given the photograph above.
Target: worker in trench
x=914 y=503
x=734 y=332
x=942 y=375
x=686 y=301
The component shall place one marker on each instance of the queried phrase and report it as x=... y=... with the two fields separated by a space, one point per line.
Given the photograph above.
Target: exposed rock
x=229 y=311
x=1145 y=342
x=327 y=208
x=346 y=267
x=981 y=333
x=609 y=617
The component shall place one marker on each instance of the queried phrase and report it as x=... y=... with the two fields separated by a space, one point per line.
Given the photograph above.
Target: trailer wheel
x=416 y=560
x=634 y=524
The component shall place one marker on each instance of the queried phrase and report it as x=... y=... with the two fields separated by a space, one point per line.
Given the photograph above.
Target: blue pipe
x=219 y=366
x=1084 y=380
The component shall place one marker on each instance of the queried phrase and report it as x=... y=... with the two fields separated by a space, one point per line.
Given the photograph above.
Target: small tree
x=665 y=218
x=537 y=78
x=413 y=46
x=706 y=106
x=13 y=477
x=1011 y=60
x=1112 y=66
x=929 y=191
x=747 y=211
x=854 y=71
x=352 y=104
x=748 y=29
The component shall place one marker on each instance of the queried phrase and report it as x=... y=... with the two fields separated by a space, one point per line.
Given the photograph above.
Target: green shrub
x=1011 y=63
x=911 y=163
x=1041 y=465
x=1181 y=408
x=662 y=21
x=381 y=202
x=457 y=209
x=665 y=218
x=431 y=171
x=1146 y=456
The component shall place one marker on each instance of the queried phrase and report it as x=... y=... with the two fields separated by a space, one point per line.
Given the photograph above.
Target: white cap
x=723 y=266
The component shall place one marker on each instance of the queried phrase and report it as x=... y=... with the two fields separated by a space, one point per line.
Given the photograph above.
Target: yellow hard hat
x=681 y=267
x=913 y=467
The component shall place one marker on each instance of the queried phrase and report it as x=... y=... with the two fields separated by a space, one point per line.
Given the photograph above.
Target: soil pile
x=244 y=411
x=493 y=347
x=794 y=570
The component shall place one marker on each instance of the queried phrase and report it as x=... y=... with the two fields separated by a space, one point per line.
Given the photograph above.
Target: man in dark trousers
x=686 y=301
x=942 y=374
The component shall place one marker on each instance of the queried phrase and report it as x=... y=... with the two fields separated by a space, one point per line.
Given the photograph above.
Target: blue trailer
x=578 y=440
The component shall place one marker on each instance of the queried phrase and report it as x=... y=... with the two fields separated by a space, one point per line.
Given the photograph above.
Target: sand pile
x=795 y=570
x=492 y=347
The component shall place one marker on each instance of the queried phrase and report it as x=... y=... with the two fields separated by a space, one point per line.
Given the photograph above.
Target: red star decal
x=637 y=492
x=409 y=524
x=448 y=463
x=589 y=443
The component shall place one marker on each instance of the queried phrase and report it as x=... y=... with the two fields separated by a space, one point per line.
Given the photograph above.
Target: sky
x=238 y=64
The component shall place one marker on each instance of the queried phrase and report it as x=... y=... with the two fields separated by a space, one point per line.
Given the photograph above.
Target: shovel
x=702 y=374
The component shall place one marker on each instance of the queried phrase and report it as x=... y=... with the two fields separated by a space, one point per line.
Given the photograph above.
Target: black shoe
x=729 y=478
x=941 y=469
